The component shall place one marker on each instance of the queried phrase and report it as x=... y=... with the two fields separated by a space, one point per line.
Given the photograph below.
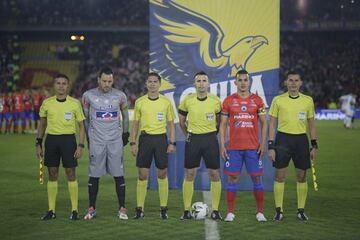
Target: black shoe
x=301 y=215
x=186 y=215
x=279 y=216
x=139 y=214
x=74 y=216
x=215 y=215
x=49 y=215
x=163 y=213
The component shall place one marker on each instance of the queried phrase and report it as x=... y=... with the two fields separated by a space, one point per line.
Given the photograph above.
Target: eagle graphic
x=183 y=41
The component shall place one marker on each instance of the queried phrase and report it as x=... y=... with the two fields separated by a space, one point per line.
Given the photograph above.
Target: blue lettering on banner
x=332 y=114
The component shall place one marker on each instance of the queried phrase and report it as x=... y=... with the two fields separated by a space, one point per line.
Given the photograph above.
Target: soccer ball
x=199 y=210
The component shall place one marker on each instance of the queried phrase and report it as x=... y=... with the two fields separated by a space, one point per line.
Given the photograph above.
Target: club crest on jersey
x=243 y=108
x=68 y=116
x=106 y=115
x=160 y=116
x=210 y=116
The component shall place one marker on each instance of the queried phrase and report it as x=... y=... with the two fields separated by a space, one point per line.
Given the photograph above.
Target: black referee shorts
x=292 y=146
x=204 y=146
x=60 y=147
x=152 y=146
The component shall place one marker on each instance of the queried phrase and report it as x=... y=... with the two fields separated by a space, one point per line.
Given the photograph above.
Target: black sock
x=93 y=187
x=120 y=190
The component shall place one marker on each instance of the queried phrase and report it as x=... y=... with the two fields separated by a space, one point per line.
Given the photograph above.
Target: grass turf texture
x=334 y=210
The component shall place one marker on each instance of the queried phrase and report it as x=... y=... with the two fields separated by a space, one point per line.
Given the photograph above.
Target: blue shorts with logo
x=253 y=164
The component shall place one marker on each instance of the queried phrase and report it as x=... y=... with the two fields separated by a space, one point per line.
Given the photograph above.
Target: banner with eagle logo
x=219 y=37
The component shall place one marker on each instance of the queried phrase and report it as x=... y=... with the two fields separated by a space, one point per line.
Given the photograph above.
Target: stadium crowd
x=129 y=60
x=298 y=12
x=328 y=63
x=73 y=13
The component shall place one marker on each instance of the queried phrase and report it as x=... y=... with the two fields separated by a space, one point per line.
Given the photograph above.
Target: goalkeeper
x=102 y=107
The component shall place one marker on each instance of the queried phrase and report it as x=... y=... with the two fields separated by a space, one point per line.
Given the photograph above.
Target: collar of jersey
x=61 y=100
x=201 y=99
x=153 y=99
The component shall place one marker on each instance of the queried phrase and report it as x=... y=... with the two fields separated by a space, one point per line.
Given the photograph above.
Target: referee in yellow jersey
x=58 y=116
x=292 y=111
x=202 y=110
x=153 y=112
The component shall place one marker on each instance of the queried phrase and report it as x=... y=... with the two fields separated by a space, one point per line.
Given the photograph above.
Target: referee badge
x=160 y=116
x=302 y=116
x=68 y=116
x=210 y=116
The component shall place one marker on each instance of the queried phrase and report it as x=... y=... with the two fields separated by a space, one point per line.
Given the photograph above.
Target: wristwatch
x=132 y=143
x=172 y=143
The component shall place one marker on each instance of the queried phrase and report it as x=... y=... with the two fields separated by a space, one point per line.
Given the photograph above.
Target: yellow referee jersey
x=201 y=113
x=61 y=116
x=153 y=114
x=292 y=113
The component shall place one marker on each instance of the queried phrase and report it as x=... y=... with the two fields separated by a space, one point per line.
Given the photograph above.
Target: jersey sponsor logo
x=68 y=116
x=243 y=124
x=244 y=116
x=106 y=115
x=302 y=115
x=160 y=116
x=210 y=116
x=237 y=124
x=105 y=107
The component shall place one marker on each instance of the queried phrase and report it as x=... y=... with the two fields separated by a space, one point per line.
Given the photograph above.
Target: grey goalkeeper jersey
x=103 y=114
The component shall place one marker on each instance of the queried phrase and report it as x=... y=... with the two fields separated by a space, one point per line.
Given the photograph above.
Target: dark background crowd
x=328 y=57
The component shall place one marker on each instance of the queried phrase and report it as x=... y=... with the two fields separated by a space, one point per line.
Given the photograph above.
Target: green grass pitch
x=334 y=210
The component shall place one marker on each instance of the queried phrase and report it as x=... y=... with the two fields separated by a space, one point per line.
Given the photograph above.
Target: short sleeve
x=218 y=106
x=274 y=109
x=137 y=111
x=183 y=109
x=170 y=115
x=225 y=110
x=123 y=98
x=311 y=110
x=79 y=112
x=261 y=106
x=43 y=110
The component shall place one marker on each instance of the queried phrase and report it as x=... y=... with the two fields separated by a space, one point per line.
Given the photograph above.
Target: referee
x=292 y=111
x=153 y=112
x=202 y=110
x=58 y=116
